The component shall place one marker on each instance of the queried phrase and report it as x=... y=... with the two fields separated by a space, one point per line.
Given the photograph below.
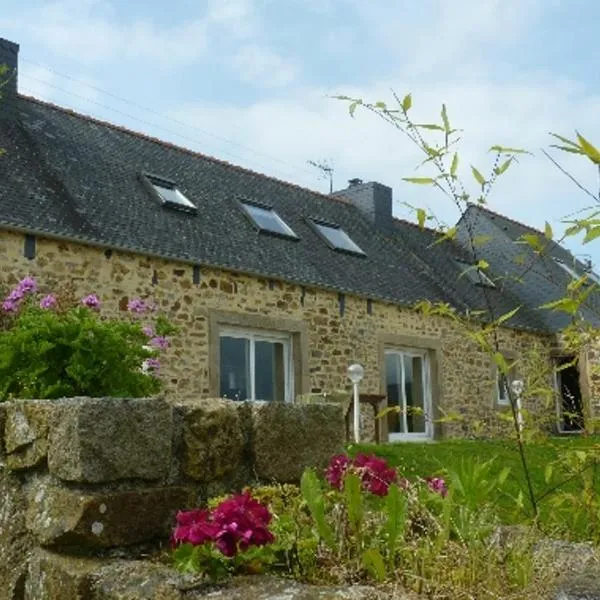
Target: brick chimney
x=9 y=58
x=373 y=199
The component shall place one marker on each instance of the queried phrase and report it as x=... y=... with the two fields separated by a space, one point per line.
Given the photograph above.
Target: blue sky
x=248 y=81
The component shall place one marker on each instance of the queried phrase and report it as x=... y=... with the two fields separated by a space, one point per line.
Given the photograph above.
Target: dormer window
x=335 y=237
x=169 y=194
x=475 y=275
x=265 y=219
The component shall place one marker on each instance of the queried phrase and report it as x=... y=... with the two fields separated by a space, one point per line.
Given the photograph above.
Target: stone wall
x=333 y=333
x=104 y=477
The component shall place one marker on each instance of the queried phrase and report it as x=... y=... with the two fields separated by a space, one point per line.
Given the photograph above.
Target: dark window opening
x=169 y=194
x=570 y=400
x=336 y=237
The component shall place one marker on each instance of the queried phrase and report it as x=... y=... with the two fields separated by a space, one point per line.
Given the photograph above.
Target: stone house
x=276 y=289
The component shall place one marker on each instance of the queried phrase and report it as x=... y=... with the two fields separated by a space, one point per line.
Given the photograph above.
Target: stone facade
x=329 y=332
x=95 y=485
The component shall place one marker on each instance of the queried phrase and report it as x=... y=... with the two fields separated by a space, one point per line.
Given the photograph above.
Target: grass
x=436 y=458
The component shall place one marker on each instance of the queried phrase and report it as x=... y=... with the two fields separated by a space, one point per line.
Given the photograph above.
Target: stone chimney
x=9 y=58
x=373 y=199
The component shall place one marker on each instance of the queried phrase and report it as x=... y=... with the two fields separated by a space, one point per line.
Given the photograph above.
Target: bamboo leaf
x=445 y=120
x=592 y=234
x=421 y=217
x=567 y=149
x=431 y=126
x=590 y=150
x=508 y=150
x=548 y=231
x=454 y=165
x=565 y=140
x=507 y=316
x=407 y=102
x=533 y=240
x=352 y=107
x=381 y=105
x=483 y=264
x=478 y=176
x=419 y=180
x=503 y=167
x=450 y=234
x=566 y=305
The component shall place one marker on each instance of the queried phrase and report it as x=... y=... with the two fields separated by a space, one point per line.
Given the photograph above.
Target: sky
x=252 y=82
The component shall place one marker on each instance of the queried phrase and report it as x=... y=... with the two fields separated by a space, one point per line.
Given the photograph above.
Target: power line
x=143 y=121
x=152 y=112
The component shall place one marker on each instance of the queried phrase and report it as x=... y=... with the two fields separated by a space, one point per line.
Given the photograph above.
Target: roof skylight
x=266 y=219
x=475 y=275
x=337 y=238
x=169 y=194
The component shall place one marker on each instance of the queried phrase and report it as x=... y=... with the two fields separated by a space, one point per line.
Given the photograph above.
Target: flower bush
x=53 y=346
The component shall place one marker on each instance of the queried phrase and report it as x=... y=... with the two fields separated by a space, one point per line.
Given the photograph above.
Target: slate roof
x=70 y=175
x=535 y=280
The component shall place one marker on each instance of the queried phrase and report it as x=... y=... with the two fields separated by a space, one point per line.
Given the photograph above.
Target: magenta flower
x=27 y=285
x=159 y=342
x=16 y=295
x=334 y=474
x=437 y=485
x=148 y=331
x=152 y=364
x=374 y=472
x=137 y=305
x=91 y=301
x=48 y=302
x=194 y=527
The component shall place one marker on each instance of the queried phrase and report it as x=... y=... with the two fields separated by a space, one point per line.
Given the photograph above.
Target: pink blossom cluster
x=233 y=526
x=375 y=474
x=24 y=288
x=437 y=485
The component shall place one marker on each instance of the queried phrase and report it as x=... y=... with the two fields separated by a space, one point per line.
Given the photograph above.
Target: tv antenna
x=326 y=168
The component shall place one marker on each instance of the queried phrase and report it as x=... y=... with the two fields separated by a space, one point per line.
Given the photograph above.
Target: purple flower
x=437 y=485
x=91 y=301
x=334 y=474
x=148 y=331
x=137 y=305
x=48 y=301
x=16 y=295
x=152 y=364
x=375 y=474
x=27 y=285
x=194 y=527
x=160 y=342
x=10 y=305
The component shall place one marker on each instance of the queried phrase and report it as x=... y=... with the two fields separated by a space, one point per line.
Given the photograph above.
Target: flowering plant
x=52 y=346
x=212 y=540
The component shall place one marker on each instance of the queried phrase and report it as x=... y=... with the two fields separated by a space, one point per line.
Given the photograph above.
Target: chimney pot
x=355 y=181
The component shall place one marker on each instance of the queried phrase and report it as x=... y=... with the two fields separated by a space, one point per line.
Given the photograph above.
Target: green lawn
x=424 y=459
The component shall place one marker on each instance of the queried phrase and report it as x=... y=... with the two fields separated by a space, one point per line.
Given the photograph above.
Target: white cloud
x=262 y=66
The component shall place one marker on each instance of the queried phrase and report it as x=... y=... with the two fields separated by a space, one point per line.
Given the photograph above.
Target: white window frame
x=427 y=395
x=254 y=336
x=502 y=400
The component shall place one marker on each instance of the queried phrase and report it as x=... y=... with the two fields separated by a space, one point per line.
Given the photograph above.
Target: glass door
x=408 y=388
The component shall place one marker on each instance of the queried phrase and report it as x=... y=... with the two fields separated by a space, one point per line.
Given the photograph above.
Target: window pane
x=235 y=368
x=393 y=376
x=269 y=371
x=268 y=219
x=415 y=394
x=338 y=238
x=503 y=397
x=172 y=195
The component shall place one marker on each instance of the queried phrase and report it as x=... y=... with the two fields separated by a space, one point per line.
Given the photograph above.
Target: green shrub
x=50 y=348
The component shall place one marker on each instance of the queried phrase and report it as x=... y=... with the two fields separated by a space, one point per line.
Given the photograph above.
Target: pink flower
x=437 y=485
x=48 y=301
x=334 y=474
x=159 y=342
x=148 y=331
x=137 y=306
x=91 y=301
x=152 y=364
x=16 y=295
x=27 y=285
x=194 y=527
x=375 y=474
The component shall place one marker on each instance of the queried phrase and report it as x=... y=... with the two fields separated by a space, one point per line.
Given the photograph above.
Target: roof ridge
x=179 y=148
x=416 y=225
x=510 y=219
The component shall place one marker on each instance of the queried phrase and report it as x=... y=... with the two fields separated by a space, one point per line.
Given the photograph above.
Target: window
x=255 y=366
x=266 y=219
x=408 y=387
x=474 y=275
x=336 y=237
x=169 y=194
x=502 y=396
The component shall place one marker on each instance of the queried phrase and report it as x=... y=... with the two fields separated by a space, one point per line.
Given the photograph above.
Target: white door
x=408 y=387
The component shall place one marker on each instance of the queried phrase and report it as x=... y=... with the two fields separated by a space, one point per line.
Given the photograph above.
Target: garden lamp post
x=517 y=389
x=355 y=374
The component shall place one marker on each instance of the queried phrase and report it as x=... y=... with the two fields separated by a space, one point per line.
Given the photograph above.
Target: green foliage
x=48 y=354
